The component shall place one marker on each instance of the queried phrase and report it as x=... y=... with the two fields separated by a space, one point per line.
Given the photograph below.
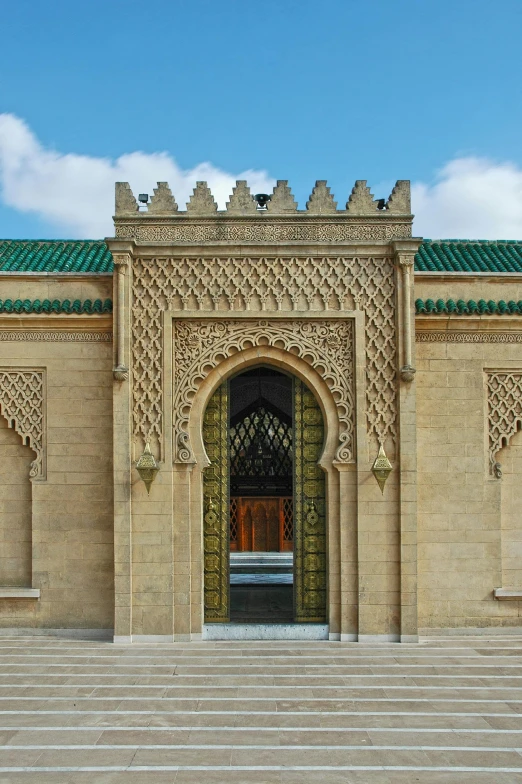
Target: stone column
x=404 y=259
x=122 y=465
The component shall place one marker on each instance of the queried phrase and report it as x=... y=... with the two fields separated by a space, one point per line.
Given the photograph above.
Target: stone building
x=274 y=364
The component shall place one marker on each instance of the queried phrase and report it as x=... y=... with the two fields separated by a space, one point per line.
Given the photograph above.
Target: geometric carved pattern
x=293 y=285
x=309 y=509
x=201 y=344
x=46 y=336
x=22 y=404
x=262 y=231
x=216 y=509
x=504 y=411
x=468 y=337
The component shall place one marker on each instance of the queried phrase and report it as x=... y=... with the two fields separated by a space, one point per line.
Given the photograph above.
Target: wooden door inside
x=261 y=524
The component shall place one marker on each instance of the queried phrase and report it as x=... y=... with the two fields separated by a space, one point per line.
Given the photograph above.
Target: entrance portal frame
x=340 y=476
x=243 y=263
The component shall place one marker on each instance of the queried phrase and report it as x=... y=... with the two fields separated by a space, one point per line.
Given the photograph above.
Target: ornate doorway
x=264 y=493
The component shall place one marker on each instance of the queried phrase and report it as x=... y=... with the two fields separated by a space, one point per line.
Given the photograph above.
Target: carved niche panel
x=22 y=404
x=504 y=412
x=293 y=285
x=326 y=345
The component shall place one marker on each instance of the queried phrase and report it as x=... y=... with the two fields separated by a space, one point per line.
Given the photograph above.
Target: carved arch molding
x=325 y=345
x=293 y=285
x=22 y=404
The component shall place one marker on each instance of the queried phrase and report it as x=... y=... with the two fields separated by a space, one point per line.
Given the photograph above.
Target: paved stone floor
x=446 y=710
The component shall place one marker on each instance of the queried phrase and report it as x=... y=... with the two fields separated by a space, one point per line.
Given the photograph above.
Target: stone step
x=447 y=710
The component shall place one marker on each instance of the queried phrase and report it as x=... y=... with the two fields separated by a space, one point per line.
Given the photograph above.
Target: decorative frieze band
x=22 y=404
x=56 y=337
x=261 y=230
x=468 y=337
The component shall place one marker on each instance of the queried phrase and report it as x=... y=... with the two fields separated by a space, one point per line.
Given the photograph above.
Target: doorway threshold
x=265 y=631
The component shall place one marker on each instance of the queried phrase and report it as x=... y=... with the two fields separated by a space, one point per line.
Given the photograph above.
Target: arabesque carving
x=22 y=404
x=504 y=412
x=264 y=229
x=264 y=285
x=201 y=344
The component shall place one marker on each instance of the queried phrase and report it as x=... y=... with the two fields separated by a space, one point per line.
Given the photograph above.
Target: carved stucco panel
x=504 y=391
x=256 y=231
x=264 y=285
x=22 y=404
x=326 y=345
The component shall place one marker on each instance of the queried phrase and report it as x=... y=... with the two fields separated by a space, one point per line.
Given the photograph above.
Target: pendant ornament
x=382 y=468
x=147 y=467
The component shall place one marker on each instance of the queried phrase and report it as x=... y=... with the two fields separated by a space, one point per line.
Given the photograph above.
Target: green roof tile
x=87 y=307
x=469 y=308
x=469 y=256
x=91 y=256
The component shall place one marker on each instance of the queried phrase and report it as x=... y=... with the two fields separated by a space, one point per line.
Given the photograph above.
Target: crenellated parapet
x=274 y=218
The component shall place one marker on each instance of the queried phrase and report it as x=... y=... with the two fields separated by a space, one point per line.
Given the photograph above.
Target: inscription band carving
x=262 y=231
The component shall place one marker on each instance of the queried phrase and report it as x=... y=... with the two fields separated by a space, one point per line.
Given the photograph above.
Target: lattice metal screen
x=288 y=518
x=234 y=521
x=261 y=446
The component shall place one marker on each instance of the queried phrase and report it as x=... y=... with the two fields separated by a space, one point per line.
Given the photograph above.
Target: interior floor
x=261 y=603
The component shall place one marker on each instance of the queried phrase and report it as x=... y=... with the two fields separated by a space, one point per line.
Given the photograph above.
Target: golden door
x=308 y=510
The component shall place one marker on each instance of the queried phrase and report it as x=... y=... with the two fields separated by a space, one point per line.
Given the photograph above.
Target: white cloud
x=76 y=192
x=472 y=198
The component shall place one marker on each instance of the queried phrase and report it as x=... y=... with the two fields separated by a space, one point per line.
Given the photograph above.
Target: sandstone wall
x=57 y=529
x=469 y=528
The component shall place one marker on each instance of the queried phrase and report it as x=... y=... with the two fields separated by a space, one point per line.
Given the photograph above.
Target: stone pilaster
x=407 y=453
x=122 y=455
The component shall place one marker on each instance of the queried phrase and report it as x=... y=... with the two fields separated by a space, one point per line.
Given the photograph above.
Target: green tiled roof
x=56 y=306
x=93 y=256
x=55 y=256
x=470 y=307
x=469 y=256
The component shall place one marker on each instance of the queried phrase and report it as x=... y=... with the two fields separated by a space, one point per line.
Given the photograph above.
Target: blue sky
x=427 y=90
